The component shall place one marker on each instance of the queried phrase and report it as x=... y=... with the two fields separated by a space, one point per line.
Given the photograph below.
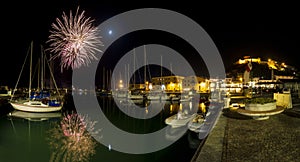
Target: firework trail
x=75 y=40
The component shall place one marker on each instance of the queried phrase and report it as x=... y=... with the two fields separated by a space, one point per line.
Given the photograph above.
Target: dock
x=237 y=137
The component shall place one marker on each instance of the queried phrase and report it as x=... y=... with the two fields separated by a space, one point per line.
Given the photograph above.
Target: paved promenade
x=240 y=138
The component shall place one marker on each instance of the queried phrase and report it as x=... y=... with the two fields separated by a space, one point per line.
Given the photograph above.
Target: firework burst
x=75 y=40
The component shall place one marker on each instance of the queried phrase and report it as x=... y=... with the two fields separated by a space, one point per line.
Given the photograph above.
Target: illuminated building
x=265 y=74
x=198 y=84
x=168 y=83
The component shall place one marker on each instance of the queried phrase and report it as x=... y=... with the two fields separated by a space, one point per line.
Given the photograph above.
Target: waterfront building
x=195 y=83
x=168 y=83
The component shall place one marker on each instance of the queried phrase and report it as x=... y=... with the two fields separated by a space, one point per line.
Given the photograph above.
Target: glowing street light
x=121 y=84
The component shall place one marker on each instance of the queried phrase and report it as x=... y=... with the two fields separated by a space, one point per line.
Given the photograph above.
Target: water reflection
x=173 y=134
x=42 y=137
x=193 y=140
x=71 y=140
x=34 y=116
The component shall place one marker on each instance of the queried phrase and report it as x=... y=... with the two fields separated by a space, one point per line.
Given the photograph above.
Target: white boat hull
x=175 y=122
x=35 y=108
x=4 y=95
x=135 y=97
x=153 y=97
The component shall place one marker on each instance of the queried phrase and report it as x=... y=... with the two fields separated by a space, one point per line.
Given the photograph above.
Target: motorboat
x=154 y=95
x=180 y=119
x=196 y=123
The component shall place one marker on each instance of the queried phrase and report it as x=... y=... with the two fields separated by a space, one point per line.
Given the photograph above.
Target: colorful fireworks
x=75 y=40
x=72 y=139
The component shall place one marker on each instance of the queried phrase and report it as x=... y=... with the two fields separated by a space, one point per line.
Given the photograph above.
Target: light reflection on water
x=69 y=140
x=45 y=140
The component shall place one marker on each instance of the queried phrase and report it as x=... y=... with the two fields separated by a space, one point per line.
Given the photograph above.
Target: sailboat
x=40 y=100
x=135 y=94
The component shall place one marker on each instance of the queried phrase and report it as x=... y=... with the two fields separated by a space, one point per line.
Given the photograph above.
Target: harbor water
x=37 y=137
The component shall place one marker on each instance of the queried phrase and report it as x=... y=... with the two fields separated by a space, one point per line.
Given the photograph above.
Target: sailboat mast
x=161 y=70
x=103 y=78
x=107 y=80
x=171 y=70
x=51 y=73
x=39 y=71
x=42 y=69
x=51 y=69
x=13 y=93
x=110 y=78
x=128 y=78
x=30 y=69
x=125 y=76
x=134 y=67
x=145 y=77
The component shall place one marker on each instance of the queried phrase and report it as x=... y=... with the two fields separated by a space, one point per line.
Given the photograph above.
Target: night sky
x=257 y=30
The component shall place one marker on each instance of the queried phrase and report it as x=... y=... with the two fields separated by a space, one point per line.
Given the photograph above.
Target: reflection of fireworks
x=72 y=140
x=75 y=40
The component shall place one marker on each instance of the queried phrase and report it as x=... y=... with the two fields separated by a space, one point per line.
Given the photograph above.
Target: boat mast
x=42 y=68
x=13 y=93
x=103 y=79
x=145 y=62
x=107 y=80
x=125 y=76
x=52 y=76
x=30 y=71
x=128 y=78
x=161 y=82
x=39 y=71
x=134 y=67
x=51 y=69
x=110 y=78
x=171 y=70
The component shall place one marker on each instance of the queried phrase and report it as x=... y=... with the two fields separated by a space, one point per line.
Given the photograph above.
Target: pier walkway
x=236 y=138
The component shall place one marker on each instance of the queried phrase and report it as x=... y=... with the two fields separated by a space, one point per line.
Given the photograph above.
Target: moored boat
x=5 y=92
x=39 y=100
x=196 y=123
x=179 y=119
